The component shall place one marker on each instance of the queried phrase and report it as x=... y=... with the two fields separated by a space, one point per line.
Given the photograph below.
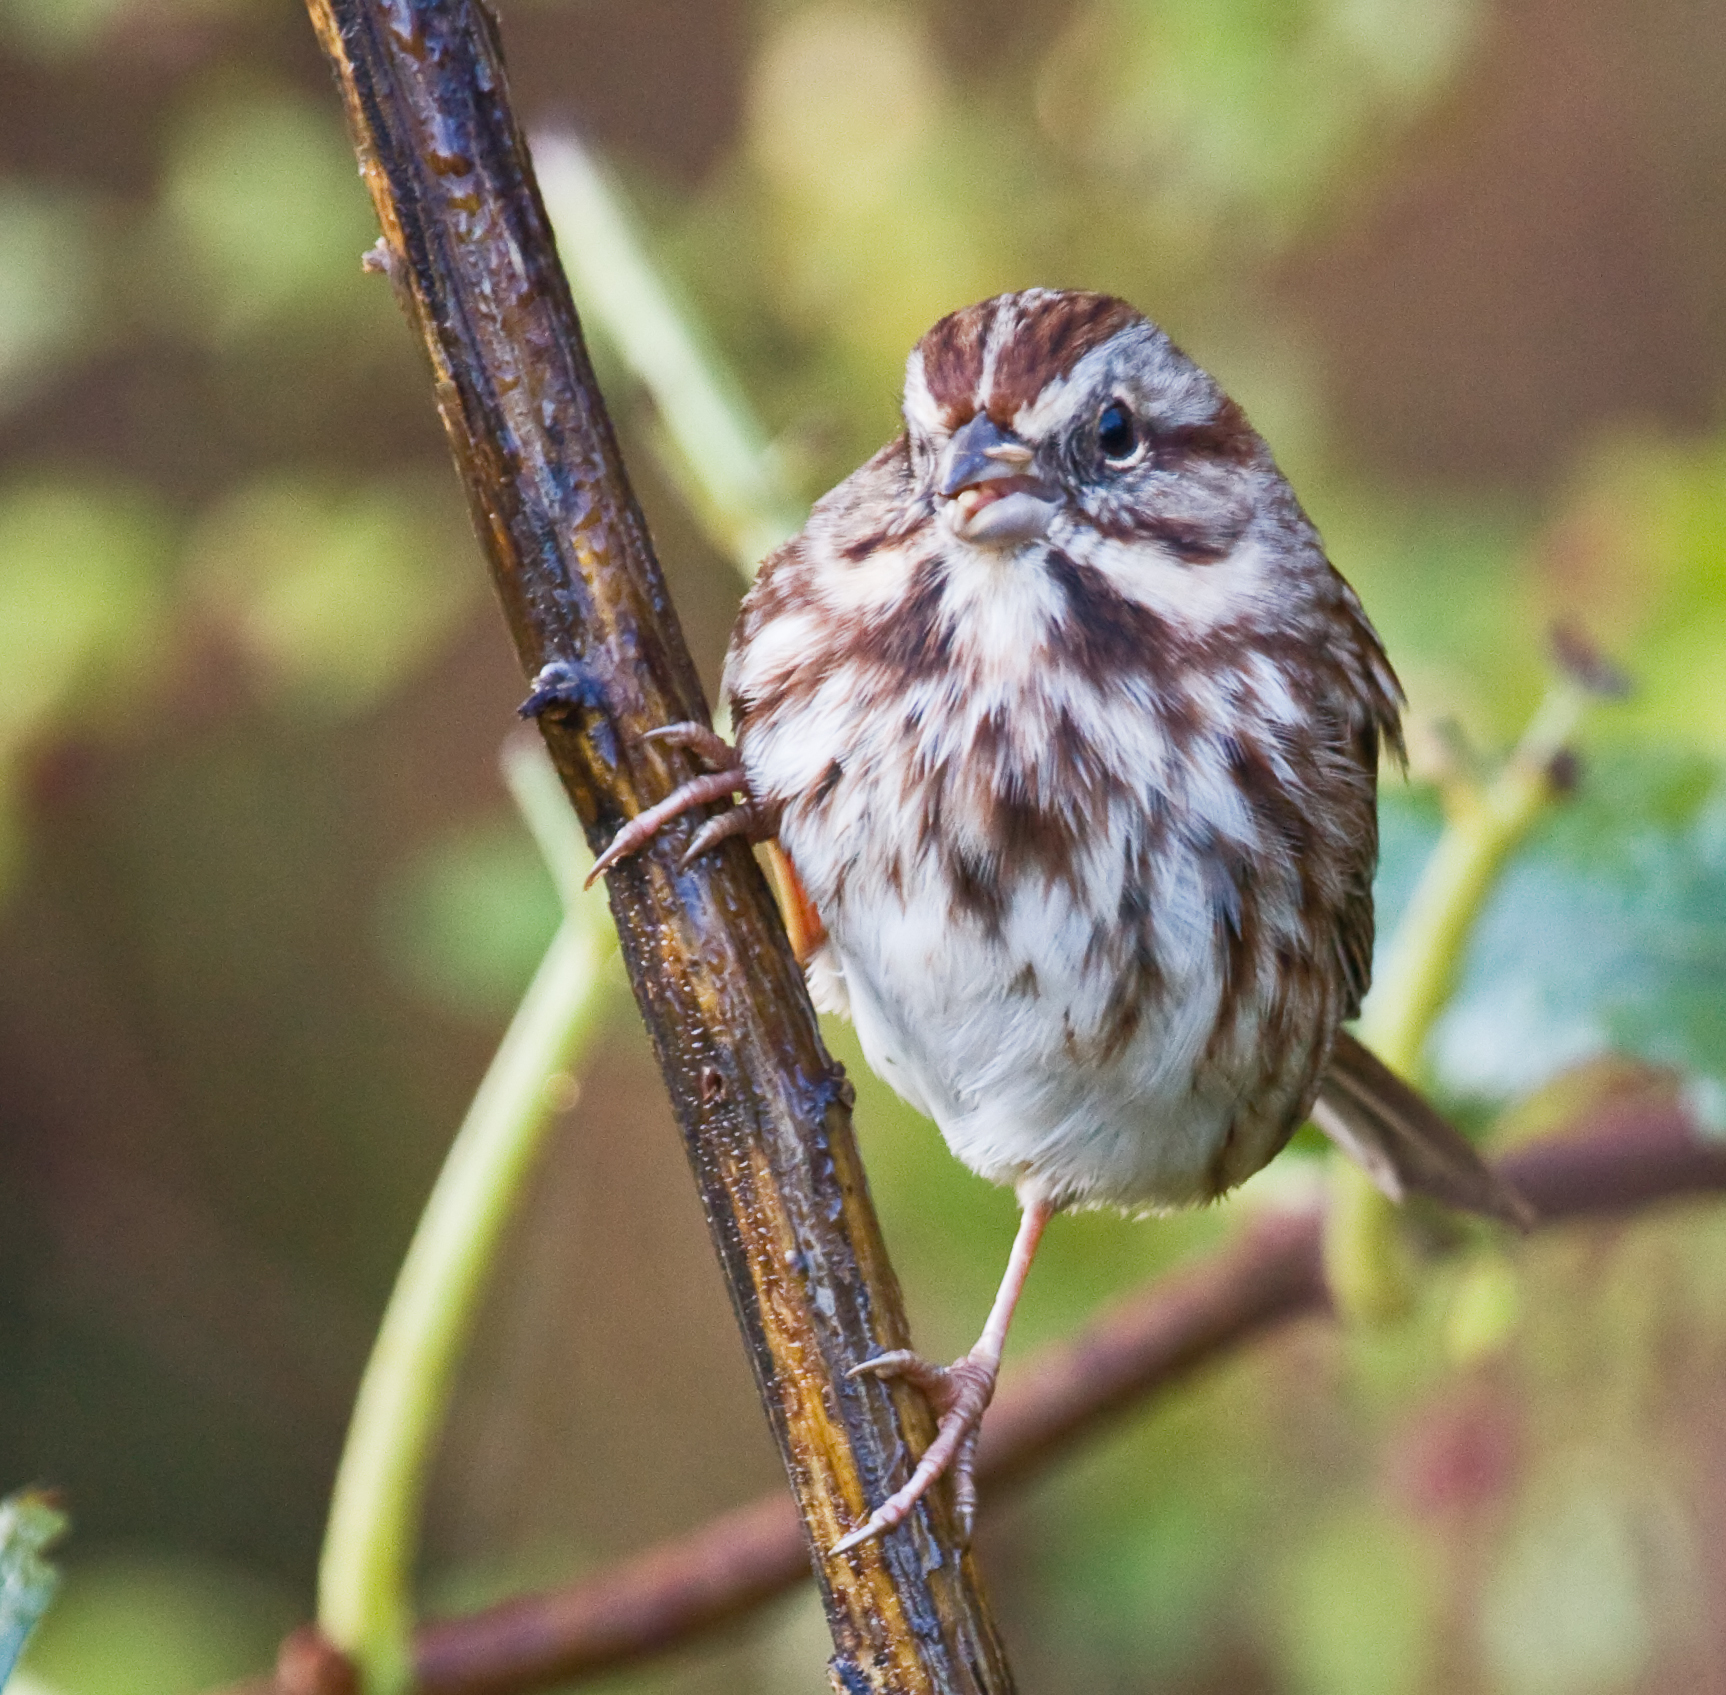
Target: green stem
x=537 y=791
x=365 y=1578
x=1370 y=1277
x=1485 y=825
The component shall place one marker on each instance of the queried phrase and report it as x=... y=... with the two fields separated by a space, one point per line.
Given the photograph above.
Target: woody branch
x=763 y=1110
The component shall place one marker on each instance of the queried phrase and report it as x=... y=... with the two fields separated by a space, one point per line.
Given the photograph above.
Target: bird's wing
x=1401 y=1141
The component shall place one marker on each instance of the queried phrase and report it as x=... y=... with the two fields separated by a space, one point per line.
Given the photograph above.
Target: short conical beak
x=981 y=452
x=993 y=500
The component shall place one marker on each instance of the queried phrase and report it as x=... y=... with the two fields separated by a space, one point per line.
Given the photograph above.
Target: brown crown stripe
x=953 y=357
x=1053 y=334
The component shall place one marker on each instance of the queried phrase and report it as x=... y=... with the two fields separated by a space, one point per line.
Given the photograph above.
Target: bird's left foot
x=957 y=1394
x=723 y=778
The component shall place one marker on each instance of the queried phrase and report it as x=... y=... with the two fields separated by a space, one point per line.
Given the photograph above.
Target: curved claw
x=959 y=1393
x=904 y=1362
x=707 y=745
x=641 y=829
x=742 y=820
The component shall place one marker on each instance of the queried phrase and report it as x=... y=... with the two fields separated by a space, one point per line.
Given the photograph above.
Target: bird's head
x=1052 y=404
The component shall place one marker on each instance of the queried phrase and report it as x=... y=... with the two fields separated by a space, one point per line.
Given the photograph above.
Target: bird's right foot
x=958 y=1395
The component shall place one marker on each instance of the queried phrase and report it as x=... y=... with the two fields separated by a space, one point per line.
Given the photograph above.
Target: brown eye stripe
x=1227 y=436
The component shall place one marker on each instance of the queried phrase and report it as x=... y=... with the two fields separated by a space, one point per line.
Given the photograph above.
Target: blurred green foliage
x=469 y=918
x=47 y=245
x=267 y=906
x=258 y=203
x=332 y=595
x=149 y=1625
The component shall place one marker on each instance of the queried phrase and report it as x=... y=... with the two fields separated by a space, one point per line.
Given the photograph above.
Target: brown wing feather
x=1401 y=1140
x=1354 y=934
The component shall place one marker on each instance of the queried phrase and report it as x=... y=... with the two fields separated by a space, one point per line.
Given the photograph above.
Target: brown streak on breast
x=830 y=779
x=1273 y=808
x=976 y=888
x=1138 y=987
x=916 y=641
x=1239 y=932
x=1104 y=633
x=1025 y=832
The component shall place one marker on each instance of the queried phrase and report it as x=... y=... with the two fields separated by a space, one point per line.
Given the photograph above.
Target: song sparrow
x=1068 y=735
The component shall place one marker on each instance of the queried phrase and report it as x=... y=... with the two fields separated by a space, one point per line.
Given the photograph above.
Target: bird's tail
x=1402 y=1142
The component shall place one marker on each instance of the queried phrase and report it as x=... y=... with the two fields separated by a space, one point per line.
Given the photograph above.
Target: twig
x=1484 y=823
x=1364 y=1256
x=763 y=1110
x=1620 y=1160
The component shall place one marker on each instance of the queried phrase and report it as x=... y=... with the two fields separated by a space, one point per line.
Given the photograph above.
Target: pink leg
x=958 y=1393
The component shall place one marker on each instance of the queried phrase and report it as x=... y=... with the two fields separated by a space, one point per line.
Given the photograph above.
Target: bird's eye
x=1116 y=437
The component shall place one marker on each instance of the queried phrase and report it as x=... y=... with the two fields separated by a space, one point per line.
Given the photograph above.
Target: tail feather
x=1402 y=1142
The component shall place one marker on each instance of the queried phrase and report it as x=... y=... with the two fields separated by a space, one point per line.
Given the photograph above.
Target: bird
x=1063 y=734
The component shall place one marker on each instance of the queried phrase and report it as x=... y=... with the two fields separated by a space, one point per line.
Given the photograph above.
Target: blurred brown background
x=266 y=906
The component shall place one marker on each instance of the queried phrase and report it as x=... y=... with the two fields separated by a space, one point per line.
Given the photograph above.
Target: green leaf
x=1607 y=931
x=30 y=1524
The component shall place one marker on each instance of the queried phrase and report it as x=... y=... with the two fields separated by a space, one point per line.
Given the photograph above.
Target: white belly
x=999 y=1035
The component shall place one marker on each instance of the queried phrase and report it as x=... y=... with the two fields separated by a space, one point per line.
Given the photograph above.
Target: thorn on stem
x=1564 y=771
x=1580 y=660
x=562 y=685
